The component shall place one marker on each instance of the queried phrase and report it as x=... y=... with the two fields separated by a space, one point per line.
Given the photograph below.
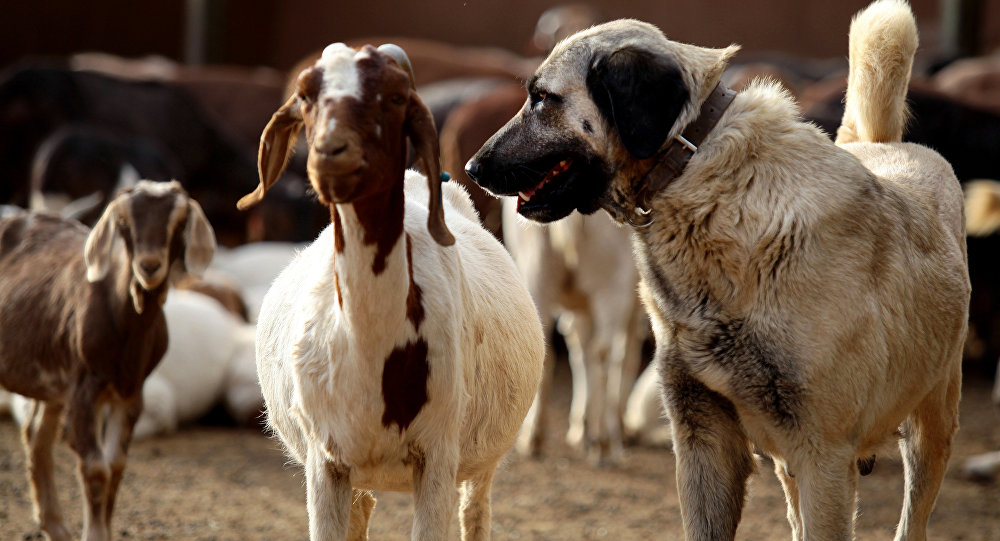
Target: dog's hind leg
x=791 y=497
x=713 y=456
x=926 y=447
x=827 y=480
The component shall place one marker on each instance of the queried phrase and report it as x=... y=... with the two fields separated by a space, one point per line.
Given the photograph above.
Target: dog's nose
x=473 y=169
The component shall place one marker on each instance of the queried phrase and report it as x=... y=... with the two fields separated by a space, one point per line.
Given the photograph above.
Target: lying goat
x=392 y=355
x=210 y=361
x=82 y=327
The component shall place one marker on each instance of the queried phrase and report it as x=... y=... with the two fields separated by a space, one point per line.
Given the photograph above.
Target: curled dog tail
x=883 y=40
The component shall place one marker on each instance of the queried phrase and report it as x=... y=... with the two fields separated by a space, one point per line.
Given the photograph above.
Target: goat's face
x=161 y=227
x=357 y=108
x=354 y=106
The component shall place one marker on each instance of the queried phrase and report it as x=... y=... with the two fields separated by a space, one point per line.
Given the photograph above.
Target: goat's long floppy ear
x=97 y=250
x=423 y=135
x=199 y=240
x=641 y=94
x=276 y=145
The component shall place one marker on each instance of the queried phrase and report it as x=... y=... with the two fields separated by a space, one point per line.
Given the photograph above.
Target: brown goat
x=82 y=327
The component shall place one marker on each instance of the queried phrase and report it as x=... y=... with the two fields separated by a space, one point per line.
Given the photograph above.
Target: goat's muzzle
x=150 y=270
x=335 y=166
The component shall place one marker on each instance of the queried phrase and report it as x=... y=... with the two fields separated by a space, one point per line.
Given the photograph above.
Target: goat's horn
x=399 y=55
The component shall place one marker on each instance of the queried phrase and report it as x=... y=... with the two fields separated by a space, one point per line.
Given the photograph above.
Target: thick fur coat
x=809 y=299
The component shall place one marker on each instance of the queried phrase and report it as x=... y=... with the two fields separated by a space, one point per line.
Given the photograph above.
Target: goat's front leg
x=328 y=497
x=84 y=425
x=38 y=435
x=577 y=328
x=434 y=472
x=713 y=457
x=117 y=437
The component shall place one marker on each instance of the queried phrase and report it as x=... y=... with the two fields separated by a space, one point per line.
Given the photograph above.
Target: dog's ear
x=640 y=93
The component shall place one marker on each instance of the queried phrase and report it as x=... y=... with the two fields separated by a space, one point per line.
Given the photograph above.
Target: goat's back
x=41 y=262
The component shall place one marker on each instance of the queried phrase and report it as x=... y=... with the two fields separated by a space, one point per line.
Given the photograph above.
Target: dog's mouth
x=568 y=182
x=558 y=170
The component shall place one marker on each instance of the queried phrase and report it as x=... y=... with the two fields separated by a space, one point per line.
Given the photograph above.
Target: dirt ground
x=218 y=484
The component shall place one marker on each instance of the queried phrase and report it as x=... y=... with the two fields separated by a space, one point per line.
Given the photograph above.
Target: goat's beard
x=138 y=293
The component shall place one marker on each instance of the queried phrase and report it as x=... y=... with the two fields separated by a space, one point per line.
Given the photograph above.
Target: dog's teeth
x=524 y=196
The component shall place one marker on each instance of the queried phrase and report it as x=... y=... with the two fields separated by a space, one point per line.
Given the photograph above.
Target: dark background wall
x=273 y=33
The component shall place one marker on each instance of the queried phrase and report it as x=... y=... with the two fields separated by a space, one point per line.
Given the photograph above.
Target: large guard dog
x=808 y=298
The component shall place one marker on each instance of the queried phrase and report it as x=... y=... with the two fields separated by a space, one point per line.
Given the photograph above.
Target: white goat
x=580 y=271
x=253 y=267
x=210 y=359
x=645 y=421
x=392 y=355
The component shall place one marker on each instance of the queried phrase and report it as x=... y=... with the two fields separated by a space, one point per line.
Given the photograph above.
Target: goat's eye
x=397 y=99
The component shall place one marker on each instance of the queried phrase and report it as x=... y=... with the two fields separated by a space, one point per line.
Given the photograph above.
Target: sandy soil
x=219 y=483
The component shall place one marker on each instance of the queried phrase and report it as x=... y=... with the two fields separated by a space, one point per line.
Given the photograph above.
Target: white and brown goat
x=82 y=327
x=392 y=354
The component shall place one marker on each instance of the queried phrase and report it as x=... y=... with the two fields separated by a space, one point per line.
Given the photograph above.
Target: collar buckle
x=688 y=144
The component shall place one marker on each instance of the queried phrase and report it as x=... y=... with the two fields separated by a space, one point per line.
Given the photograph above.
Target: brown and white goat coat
x=392 y=355
x=82 y=327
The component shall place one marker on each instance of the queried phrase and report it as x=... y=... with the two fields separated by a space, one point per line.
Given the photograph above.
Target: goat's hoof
x=529 y=447
x=602 y=454
x=55 y=532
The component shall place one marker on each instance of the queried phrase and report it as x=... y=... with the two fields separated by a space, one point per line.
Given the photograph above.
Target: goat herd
x=396 y=334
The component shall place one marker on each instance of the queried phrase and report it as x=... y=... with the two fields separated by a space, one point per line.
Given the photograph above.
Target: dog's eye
x=539 y=96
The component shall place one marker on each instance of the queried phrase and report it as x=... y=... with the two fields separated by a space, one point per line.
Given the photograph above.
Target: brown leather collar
x=678 y=152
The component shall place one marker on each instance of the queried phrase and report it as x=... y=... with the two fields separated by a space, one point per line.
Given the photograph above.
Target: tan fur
x=882 y=46
x=808 y=299
x=982 y=207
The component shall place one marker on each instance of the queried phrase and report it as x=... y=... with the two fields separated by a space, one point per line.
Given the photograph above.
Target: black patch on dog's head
x=640 y=93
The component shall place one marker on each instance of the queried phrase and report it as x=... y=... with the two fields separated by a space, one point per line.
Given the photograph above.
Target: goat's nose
x=334 y=144
x=473 y=169
x=150 y=266
x=335 y=149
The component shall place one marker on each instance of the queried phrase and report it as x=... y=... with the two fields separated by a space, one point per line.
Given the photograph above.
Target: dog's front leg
x=713 y=454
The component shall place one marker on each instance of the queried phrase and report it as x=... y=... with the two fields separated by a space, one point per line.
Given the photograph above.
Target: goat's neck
x=372 y=270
